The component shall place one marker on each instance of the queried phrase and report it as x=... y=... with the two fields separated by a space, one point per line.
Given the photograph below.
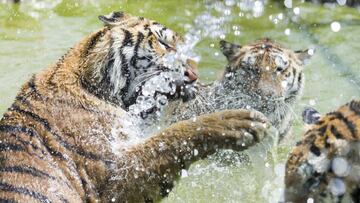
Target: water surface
x=35 y=34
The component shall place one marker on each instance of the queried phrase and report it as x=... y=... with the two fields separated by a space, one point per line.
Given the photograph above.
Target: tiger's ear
x=229 y=49
x=310 y=115
x=305 y=55
x=112 y=18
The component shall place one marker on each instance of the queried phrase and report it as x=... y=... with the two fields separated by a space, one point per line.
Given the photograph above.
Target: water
x=36 y=33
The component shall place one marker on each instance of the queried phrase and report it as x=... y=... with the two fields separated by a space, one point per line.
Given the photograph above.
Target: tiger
x=324 y=166
x=69 y=135
x=262 y=75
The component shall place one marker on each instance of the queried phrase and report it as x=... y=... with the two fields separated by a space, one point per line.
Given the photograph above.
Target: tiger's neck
x=98 y=60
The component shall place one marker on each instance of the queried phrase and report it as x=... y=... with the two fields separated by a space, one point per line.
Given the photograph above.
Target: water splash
x=205 y=25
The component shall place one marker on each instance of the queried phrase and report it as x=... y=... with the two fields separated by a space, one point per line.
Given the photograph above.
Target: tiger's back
x=325 y=165
x=46 y=147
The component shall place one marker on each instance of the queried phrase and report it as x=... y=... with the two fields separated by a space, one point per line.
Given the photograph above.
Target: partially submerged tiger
x=67 y=136
x=325 y=164
x=262 y=75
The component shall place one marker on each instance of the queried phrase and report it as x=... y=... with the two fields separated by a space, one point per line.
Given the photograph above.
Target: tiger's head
x=325 y=165
x=135 y=60
x=266 y=77
x=265 y=69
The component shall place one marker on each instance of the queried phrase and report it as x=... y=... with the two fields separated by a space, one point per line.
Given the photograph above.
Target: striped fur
x=57 y=139
x=325 y=165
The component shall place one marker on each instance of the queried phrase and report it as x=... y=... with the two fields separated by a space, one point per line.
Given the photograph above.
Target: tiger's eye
x=280 y=69
x=166 y=46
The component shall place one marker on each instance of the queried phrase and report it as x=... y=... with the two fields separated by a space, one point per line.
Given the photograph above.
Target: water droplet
x=311 y=52
x=310 y=200
x=227 y=12
x=184 y=173
x=230 y=2
x=296 y=10
x=287 y=31
x=288 y=3
x=335 y=26
x=258 y=8
x=337 y=186
x=228 y=75
x=312 y=102
x=341 y=2
x=196 y=152
x=340 y=166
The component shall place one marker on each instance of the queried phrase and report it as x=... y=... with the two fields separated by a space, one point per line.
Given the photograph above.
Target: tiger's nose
x=190 y=71
x=191 y=75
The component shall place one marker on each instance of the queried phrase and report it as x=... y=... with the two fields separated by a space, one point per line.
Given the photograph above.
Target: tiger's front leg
x=147 y=171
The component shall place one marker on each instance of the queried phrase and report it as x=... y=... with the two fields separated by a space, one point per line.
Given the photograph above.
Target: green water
x=33 y=36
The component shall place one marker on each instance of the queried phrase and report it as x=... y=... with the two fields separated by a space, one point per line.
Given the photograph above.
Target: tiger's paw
x=245 y=127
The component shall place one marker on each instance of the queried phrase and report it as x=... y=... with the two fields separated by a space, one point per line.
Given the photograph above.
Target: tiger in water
x=67 y=137
x=325 y=165
x=261 y=75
